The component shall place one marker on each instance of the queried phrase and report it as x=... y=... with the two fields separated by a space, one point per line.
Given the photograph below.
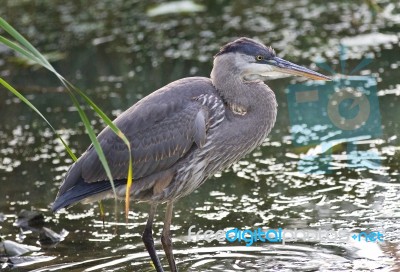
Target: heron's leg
x=166 y=238
x=148 y=241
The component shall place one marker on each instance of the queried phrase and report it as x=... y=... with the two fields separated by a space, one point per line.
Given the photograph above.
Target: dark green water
x=117 y=53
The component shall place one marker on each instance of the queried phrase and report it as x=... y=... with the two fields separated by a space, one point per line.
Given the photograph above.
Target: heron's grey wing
x=159 y=133
x=159 y=136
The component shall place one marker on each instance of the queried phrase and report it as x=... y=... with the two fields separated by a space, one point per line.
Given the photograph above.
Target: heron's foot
x=148 y=240
x=166 y=238
x=167 y=246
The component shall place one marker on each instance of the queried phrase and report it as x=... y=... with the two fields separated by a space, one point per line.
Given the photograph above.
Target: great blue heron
x=184 y=133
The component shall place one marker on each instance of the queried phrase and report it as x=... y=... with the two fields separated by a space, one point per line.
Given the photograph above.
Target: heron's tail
x=82 y=191
x=75 y=189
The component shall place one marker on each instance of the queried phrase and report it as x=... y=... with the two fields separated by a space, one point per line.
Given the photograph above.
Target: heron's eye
x=259 y=57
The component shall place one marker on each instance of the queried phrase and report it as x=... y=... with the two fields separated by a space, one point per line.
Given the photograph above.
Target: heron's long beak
x=287 y=67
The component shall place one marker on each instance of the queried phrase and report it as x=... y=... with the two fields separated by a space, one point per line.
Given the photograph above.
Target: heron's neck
x=237 y=94
x=229 y=87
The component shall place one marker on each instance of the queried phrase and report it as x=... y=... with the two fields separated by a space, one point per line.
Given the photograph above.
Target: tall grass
x=23 y=47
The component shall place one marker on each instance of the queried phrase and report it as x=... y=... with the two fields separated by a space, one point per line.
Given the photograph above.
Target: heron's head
x=252 y=60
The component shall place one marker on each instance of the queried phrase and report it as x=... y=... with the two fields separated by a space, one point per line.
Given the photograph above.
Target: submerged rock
x=10 y=248
x=30 y=220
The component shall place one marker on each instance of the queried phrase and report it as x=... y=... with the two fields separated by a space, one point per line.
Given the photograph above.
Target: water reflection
x=119 y=54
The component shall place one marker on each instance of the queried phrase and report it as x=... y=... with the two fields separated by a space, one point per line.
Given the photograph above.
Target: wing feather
x=161 y=129
x=153 y=149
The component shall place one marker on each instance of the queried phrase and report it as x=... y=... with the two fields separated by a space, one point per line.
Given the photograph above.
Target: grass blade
x=21 y=50
x=93 y=138
x=117 y=131
x=26 y=49
x=26 y=101
x=17 y=36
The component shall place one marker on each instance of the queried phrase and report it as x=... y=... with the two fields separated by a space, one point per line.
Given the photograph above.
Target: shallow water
x=118 y=54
